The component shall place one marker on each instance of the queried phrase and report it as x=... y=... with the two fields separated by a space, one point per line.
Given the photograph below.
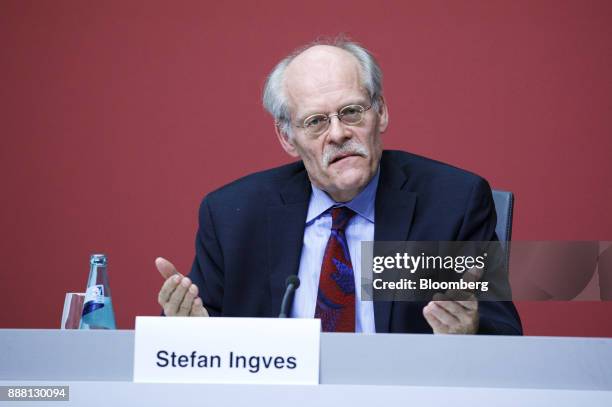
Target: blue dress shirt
x=316 y=234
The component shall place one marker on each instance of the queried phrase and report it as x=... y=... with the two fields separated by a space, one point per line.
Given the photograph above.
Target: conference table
x=355 y=370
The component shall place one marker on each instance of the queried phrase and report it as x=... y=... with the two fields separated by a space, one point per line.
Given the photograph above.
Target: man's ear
x=383 y=115
x=285 y=141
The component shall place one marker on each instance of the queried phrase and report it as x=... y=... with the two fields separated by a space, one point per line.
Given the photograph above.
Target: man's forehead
x=321 y=54
x=320 y=64
x=321 y=71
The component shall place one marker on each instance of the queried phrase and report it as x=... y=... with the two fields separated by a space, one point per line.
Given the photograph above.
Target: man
x=301 y=218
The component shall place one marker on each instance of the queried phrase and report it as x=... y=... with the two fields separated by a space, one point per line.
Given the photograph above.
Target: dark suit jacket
x=251 y=232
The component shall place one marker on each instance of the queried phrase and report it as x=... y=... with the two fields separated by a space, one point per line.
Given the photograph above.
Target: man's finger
x=437 y=325
x=469 y=305
x=167 y=289
x=462 y=298
x=172 y=306
x=458 y=311
x=473 y=275
x=443 y=315
x=186 y=304
x=198 y=309
x=165 y=268
x=459 y=295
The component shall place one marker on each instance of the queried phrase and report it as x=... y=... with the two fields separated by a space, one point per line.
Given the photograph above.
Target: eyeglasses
x=316 y=124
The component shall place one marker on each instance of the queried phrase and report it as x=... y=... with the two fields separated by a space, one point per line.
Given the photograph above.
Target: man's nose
x=338 y=131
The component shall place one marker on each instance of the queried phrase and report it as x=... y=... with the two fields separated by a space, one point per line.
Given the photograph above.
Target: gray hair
x=275 y=99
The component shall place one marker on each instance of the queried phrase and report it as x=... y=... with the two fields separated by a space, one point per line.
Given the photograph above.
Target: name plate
x=226 y=350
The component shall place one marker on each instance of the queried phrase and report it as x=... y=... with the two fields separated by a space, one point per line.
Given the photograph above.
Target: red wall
x=117 y=117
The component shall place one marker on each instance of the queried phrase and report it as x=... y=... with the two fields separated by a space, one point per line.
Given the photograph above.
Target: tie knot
x=340 y=217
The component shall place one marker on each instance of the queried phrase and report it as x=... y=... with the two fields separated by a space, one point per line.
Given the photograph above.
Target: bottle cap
x=98 y=259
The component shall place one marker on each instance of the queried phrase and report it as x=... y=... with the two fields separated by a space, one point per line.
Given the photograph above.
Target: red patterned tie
x=336 y=296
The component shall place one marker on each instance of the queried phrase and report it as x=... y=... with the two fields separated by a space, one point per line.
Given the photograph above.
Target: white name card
x=226 y=350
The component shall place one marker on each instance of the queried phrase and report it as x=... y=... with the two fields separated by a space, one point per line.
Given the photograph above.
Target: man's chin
x=351 y=183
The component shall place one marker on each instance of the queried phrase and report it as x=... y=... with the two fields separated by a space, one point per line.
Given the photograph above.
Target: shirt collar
x=362 y=204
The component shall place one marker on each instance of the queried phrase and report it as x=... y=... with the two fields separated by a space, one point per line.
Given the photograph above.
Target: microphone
x=292 y=283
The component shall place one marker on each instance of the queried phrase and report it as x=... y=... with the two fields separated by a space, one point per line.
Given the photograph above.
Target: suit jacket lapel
x=286 y=224
x=393 y=216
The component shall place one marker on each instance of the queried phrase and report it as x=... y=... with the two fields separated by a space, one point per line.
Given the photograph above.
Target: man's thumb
x=473 y=275
x=165 y=268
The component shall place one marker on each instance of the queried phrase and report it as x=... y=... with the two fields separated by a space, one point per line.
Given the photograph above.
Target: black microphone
x=292 y=283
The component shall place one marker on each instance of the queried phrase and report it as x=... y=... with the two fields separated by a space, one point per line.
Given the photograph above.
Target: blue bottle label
x=94 y=299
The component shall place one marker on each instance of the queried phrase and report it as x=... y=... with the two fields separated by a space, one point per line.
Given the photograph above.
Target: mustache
x=351 y=147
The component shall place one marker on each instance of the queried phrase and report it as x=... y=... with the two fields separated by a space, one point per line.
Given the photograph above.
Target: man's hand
x=455 y=311
x=178 y=296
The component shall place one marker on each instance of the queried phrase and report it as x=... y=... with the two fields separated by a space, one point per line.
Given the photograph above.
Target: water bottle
x=98 y=308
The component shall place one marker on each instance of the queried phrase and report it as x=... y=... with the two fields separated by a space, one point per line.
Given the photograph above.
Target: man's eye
x=315 y=121
x=350 y=110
